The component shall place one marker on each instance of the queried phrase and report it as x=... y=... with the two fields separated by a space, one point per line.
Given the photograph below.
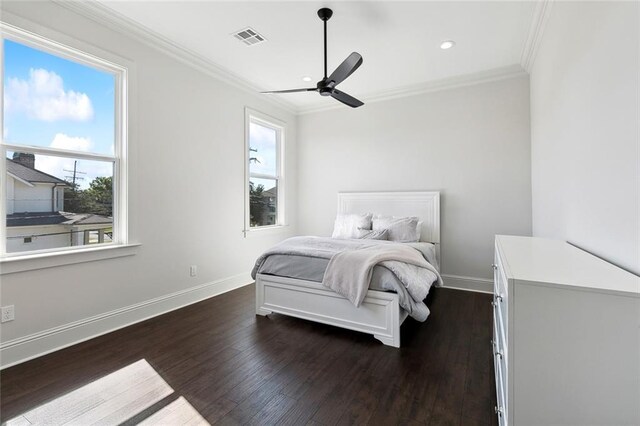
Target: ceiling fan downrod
x=325 y=14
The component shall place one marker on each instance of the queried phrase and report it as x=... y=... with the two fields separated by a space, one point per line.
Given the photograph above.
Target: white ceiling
x=399 y=41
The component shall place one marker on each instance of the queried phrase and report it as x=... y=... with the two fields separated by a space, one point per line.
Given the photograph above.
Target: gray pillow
x=400 y=229
x=369 y=234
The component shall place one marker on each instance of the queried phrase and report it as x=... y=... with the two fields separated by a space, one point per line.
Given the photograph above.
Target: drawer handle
x=498 y=411
x=494 y=266
x=499 y=354
x=498 y=298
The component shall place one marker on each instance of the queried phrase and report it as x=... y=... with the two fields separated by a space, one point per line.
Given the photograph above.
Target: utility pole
x=75 y=174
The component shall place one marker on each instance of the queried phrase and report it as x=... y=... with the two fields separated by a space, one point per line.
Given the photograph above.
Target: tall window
x=265 y=183
x=63 y=136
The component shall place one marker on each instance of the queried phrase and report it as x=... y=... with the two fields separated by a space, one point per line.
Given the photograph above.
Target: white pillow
x=349 y=225
x=400 y=229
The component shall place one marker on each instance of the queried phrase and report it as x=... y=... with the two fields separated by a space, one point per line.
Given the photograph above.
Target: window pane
x=54 y=102
x=55 y=202
x=263 y=151
x=263 y=202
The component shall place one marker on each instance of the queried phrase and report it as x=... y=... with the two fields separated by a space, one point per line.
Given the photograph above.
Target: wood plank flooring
x=227 y=366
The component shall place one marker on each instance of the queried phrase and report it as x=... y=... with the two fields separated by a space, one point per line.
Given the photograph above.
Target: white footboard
x=379 y=314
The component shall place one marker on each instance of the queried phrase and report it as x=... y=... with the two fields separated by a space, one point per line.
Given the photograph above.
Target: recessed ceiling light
x=306 y=78
x=447 y=44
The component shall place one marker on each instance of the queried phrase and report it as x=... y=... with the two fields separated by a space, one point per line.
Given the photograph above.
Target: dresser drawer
x=499 y=340
x=501 y=407
x=500 y=356
x=499 y=321
x=499 y=278
x=500 y=298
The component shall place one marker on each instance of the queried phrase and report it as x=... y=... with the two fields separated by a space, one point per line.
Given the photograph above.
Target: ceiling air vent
x=249 y=36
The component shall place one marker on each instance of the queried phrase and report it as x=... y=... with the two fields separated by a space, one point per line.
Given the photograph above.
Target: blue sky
x=55 y=102
x=263 y=140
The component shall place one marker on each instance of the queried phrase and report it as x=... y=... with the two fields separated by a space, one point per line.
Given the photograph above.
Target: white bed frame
x=380 y=313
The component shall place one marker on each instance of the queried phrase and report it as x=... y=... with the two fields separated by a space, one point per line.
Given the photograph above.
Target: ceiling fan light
x=447 y=44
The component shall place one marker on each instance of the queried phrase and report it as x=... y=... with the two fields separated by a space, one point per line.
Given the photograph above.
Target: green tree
x=74 y=200
x=97 y=199
x=257 y=203
x=100 y=196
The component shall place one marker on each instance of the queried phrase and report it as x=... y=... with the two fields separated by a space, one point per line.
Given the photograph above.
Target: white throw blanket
x=351 y=264
x=349 y=271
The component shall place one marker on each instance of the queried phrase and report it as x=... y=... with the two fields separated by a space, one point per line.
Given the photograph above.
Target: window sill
x=265 y=230
x=11 y=265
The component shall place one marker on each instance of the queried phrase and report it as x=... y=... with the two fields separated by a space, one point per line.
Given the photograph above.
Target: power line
x=75 y=173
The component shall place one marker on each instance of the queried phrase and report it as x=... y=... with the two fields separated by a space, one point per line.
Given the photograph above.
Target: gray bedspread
x=307 y=258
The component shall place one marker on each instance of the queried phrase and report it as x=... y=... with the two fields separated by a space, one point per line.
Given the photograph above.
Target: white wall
x=585 y=131
x=471 y=143
x=37 y=243
x=186 y=191
x=10 y=193
x=36 y=198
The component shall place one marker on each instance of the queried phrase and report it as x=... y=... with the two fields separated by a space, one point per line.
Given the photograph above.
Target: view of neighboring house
x=36 y=219
x=271 y=201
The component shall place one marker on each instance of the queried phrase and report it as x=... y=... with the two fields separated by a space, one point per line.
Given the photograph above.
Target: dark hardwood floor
x=236 y=368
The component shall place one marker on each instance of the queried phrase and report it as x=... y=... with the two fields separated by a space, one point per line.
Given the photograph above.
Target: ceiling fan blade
x=346 y=68
x=346 y=99
x=291 y=90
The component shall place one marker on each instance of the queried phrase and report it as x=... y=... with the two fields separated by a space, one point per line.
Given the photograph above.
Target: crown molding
x=539 y=19
x=495 y=74
x=116 y=21
x=94 y=10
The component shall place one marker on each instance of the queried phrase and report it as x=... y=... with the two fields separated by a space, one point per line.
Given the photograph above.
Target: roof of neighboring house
x=31 y=175
x=273 y=192
x=86 y=219
x=56 y=218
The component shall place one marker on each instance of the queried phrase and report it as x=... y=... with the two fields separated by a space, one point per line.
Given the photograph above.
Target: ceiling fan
x=327 y=86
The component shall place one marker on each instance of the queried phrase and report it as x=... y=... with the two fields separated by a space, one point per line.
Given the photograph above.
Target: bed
x=380 y=312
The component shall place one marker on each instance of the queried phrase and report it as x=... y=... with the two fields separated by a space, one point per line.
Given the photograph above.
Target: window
x=63 y=144
x=265 y=183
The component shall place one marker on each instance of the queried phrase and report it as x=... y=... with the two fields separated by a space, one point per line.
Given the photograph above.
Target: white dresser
x=566 y=336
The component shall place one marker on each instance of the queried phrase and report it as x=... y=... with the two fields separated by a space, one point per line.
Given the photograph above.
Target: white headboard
x=425 y=205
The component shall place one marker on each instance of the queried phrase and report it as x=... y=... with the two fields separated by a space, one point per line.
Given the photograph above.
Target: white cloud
x=62 y=141
x=63 y=167
x=43 y=97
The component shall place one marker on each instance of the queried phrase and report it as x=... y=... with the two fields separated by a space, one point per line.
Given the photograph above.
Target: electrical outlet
x=8 y=313
x=193 y=270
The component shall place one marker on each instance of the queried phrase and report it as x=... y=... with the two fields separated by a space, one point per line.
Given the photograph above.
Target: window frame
x=253 y=116
x=119 y=157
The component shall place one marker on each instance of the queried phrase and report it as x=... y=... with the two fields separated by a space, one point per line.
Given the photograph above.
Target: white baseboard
x=34 y=345
x=481 y=285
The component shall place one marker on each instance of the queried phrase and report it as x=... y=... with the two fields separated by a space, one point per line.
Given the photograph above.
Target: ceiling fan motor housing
x=325 y=13
x=325 y=87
